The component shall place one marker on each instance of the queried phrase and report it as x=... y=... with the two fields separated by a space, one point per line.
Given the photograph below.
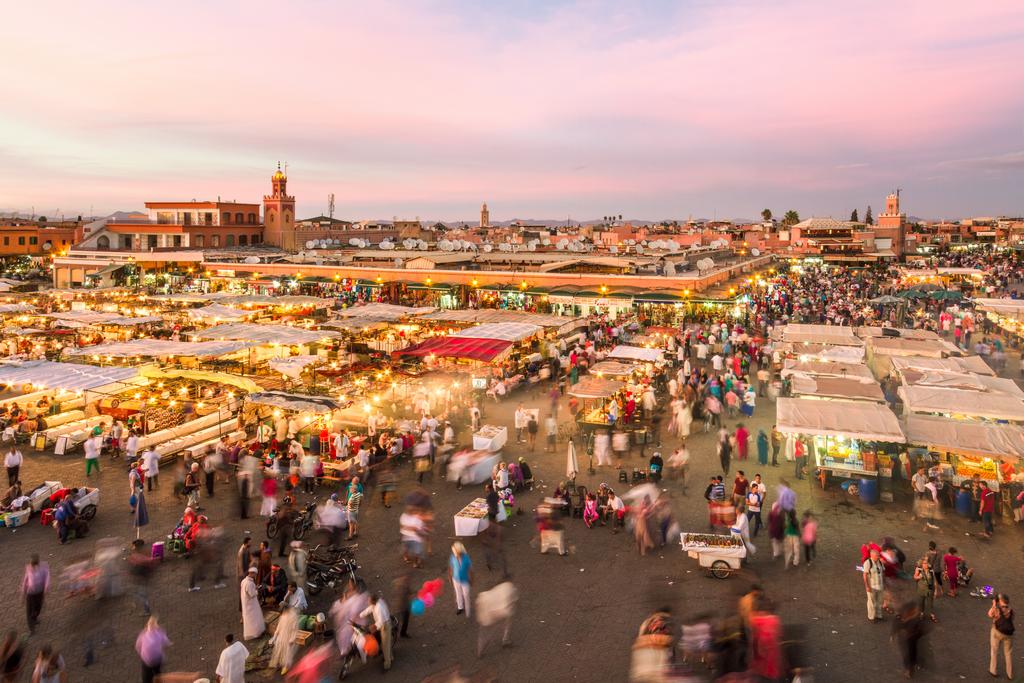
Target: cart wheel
x=720 y=569
x=88 y=512
x=272 y=528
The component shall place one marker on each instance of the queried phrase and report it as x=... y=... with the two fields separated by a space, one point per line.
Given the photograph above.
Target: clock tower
x=279 y=214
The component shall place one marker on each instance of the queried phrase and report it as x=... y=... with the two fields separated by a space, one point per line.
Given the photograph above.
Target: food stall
x=719 y=554
x=844 y=439
x=993 y=405
x=490 y=438
x=472 y=519
x=961 y=449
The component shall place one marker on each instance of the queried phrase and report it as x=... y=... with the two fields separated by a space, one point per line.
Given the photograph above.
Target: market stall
x=636 y=353
x=844 y=438
x=472 y=519
x=983 y=405
x=490 y=438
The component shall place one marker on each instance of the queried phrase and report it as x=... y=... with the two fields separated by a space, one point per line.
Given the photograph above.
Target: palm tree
x=766 y=215
x=791 y=218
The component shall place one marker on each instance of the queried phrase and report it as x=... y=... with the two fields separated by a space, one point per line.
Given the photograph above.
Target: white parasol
x=572 y=467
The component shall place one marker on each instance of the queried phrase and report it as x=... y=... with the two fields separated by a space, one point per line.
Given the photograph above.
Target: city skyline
x=544 y=110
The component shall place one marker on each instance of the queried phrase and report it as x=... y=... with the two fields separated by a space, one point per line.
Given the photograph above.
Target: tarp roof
x=382 y=311
x=356 y=324
x=824 y=352
x=219 y=312
x=486 y=350
x=265 y=334
x=153 y=348
x=67 y=376
x=982 y=404
x=820 y=334
x=507 y=331
x=819 y=368
x=86 y=317
x=961 y=380
x=612 y=368
x=265 y=300
x=838 y=387
x=904 y=333
x=296 y=402
x=980 y=438
x=852 y=419
x=973 y=364
x=292 y=366
x=490 y=315
x=17 y=308
x=893 y=346
x=594 y=387
x=636 y=353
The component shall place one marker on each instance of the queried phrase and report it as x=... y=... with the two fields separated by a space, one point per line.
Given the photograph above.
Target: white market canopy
x=838 y=387
x=43 y=374
x=835 y=335
x=989 y=405
x=972 y=364
x=637 y=353
x=512 y=332
x=265 y=300
x=901 y=332
x=299 y=403
x=490 y=315
x=219 y=312
x=851 y=419
x=824 y=352
x=590 y=386
x=981 y=438
x=159 y=348
x=84 y=317
x=17 y=308
x=612 y=368
x=379 y=311
x=961 y=380
x=265 y=334
x=818 y=368
x=895 y=346
x=292 y=366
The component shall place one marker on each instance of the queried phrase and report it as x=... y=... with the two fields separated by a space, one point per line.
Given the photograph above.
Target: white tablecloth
x=483 y=442
x=467 y=526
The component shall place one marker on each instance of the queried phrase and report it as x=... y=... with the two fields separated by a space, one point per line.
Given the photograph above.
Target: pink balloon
x=428 y=600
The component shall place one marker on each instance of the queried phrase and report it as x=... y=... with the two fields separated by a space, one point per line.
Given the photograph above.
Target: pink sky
x=542 y=109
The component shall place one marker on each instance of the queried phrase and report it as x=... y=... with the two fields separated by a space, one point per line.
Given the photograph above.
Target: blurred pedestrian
x=34 y=585
x=150 y=645
x=494 y=610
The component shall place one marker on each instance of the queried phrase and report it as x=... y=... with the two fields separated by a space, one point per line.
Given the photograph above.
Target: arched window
x=239 y=218
x=229 y=241
x=215 y=240
x=103 y=242
x=225 y=218
x=200 y=240
x=243 y=241
x=252 y=219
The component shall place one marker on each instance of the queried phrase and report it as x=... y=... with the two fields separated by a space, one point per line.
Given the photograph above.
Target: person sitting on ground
x=274 y=586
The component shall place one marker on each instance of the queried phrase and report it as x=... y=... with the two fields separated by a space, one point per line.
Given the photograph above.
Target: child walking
x=809 y=536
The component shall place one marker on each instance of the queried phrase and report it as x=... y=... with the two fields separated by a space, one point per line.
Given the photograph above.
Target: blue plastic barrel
x=868 y=489
x=963 y=503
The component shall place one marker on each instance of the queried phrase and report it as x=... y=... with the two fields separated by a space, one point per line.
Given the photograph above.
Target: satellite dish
x=672 y=245
x=755 y=252
x=421 y=245
x=488 y=248
x=639 y=249
x=614 y=249
x=310 y=244
x=444 y=245
x=398 y=263
x=546 y=242
x=354 y=242
x=644 y=243
x=336 y=243
x=387 y=246
x=532 y=246
x=252 y=259
x=409 y=243
x=47 y=246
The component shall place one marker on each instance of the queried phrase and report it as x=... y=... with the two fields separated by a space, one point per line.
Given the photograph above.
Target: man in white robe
x=231 y=666
x=253 y=623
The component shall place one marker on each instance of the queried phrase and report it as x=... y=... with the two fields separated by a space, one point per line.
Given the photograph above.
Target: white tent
x=158 y=348
x=987 y=439
x=294 y=402
x=380 y=311
x=818 y=368
x=821 y=334
x=219 y=313
x=43 y=374
x=989 y=405
x=505 y=331
x=84 y=317
x=852 y=419
x=974 y=364
x=292 y=366
x=16 y=308
x=636 y=353
x=894 y=346
x=265 y=300
x=838 y=387
x=265 y=334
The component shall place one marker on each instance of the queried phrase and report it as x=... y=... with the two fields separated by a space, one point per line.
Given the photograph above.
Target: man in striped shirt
x=355 y=499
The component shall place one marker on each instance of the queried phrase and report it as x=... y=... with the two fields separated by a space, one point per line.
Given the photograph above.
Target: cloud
x=1013 y=161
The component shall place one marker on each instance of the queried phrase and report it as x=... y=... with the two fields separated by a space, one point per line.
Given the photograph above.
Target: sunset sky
x=544 y=109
